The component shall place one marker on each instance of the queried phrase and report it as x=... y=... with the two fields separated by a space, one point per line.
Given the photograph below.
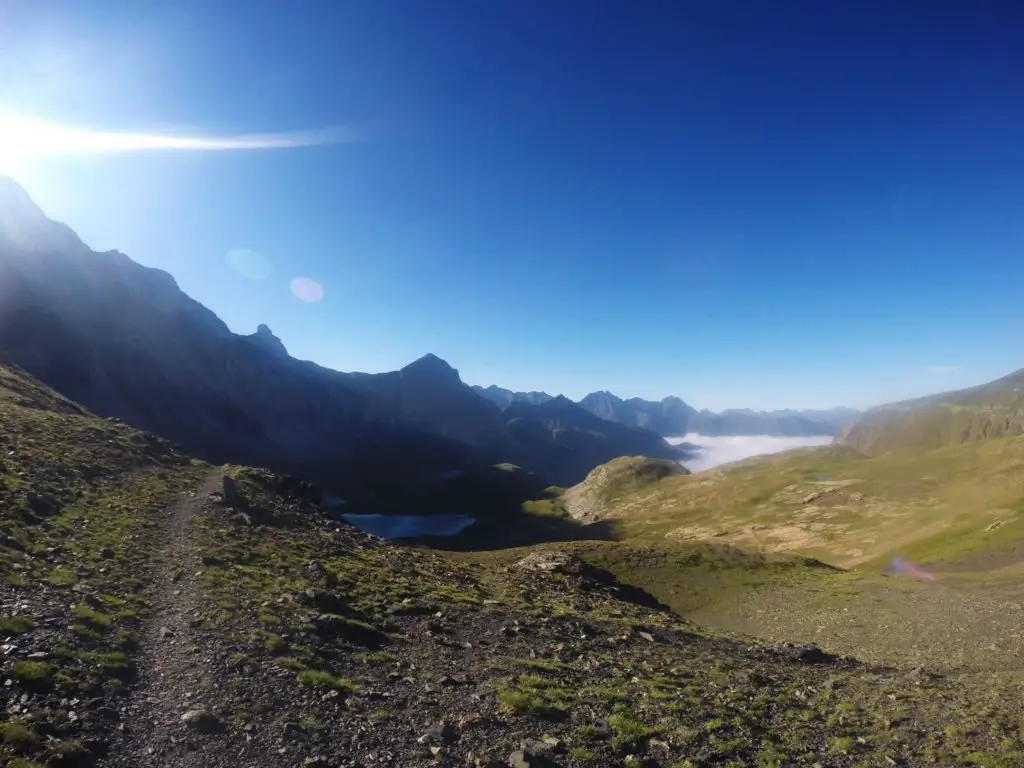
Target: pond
x=405 y=526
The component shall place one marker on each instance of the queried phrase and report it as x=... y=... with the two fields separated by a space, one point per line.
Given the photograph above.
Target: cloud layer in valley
x=721 y=450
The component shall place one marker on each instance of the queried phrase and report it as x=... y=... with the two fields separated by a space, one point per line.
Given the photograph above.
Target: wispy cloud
x=942 y=368
x=31 y=137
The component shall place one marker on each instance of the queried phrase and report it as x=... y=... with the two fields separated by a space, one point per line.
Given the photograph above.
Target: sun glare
x=23 y=138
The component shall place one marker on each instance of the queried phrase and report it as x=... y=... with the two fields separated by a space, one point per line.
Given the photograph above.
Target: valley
x=214 y=554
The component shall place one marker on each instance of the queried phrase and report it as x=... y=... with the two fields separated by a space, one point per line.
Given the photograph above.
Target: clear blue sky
x=761 y=204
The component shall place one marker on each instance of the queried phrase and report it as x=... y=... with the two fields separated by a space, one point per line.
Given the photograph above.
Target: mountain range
x=126 y=342
x=671 y=417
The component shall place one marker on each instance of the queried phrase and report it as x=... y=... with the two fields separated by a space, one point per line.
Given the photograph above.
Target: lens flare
x=307 y=289
x=910 y=569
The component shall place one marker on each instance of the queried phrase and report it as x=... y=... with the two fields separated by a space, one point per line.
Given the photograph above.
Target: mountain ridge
x=673 y=417
x=992 y=409
x=125 y=341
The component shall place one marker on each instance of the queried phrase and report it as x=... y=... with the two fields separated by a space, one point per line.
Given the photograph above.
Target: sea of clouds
x=721 y=450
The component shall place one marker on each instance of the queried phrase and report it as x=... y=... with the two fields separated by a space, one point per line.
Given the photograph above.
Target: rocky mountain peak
x=431 y=367
x=268 y=341
x=604 y=394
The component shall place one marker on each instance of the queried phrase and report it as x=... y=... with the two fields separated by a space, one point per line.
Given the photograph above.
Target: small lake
x=723 y=449
x=406 y=526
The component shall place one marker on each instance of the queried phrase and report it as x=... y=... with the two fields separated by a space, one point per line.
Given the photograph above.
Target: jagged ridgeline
x=671 y=417
x=125 y=341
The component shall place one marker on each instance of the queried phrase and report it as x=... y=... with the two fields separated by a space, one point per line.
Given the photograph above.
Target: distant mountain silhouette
x=672 y=417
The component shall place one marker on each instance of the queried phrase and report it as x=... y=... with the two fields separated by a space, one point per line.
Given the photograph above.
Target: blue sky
x=760 y=204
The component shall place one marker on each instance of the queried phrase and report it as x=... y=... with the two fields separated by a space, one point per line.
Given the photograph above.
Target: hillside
x=161 y=611
x=991 y=410
x=754 y=547
x=125 y=341
x=940 y=507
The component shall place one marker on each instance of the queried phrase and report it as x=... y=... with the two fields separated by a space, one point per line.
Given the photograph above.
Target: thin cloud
x=942 y=368
x=31 y=137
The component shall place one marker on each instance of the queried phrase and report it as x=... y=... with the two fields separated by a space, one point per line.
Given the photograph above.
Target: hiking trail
x=169 y=720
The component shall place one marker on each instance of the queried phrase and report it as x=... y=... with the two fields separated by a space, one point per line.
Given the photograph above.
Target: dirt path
x=174 y=676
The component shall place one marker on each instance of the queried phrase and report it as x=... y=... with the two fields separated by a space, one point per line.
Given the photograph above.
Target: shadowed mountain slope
x=125 y=341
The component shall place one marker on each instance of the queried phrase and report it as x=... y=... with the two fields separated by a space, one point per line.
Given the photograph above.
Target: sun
x=23 y=139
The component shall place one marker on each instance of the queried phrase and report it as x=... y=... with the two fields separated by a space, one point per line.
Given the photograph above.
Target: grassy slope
x=958 y=508
x=725 y=548
x=537 y=654
x=79 y=500
x=992 y=410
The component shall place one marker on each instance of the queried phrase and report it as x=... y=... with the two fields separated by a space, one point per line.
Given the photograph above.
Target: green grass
x=18 y=734
x=16 y=625
x=62 y=577
x=544 y=508
x=522 y=703
x=628 y=731
x=32 y=671
x=93 y=618
x=317 y=678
